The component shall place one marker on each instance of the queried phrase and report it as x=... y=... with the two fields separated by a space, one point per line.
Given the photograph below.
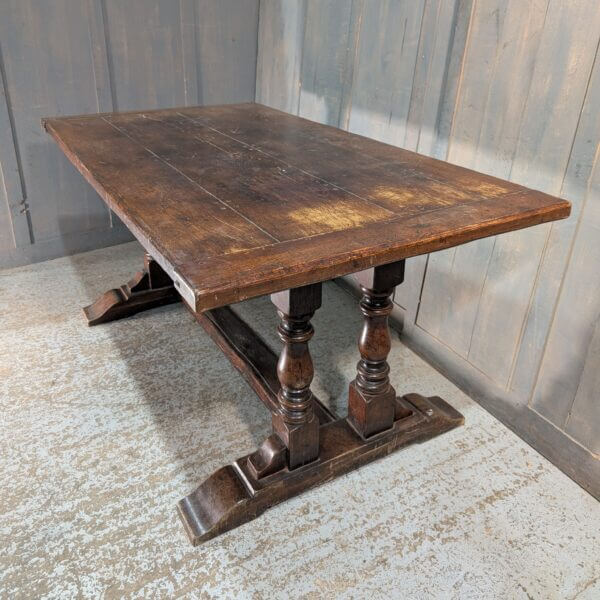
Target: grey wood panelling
x=575 y=187
x=584 y=417
x=226 y=38
x=439 y=61
x=281 y=37
x=386 y=60
x=326 y=60
x=507 y=87
x=63 y=57
x=14 y=226
x=561 y=383
x=145 y=52
x=47 y=73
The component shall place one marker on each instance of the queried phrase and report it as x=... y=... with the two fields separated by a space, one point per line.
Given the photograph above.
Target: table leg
x=371 y=397
x=149 y=288
x=295 y=439
x=295 y=421
x=304 y=451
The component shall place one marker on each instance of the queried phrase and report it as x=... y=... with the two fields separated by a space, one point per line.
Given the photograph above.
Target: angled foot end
x=240 y=492
x=220 y=503
x=149 y=288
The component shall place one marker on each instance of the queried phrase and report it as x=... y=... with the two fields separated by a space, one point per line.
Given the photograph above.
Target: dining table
x=237 y=201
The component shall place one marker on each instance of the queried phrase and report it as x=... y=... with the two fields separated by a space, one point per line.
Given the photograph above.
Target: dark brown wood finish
x=233 y=495
x=251 y=356
x=371 y=396
x=294 y=422
x=237 y=201
x=149 y=288
x=243 y=200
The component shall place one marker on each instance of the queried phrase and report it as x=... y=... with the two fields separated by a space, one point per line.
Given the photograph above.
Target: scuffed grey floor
x=103 y=429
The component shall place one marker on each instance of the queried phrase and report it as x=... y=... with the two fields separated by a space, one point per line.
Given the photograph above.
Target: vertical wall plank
x=101 y=65
x=441 y=49
x=14 y=228
x=281 y=33
x=49 y=71
x=387 y=56
x=189 y=46
x=325 y=59
x=226 y=37
x=453 y=22
x=585 y=415
x=356 y=16
x=546 y=136
x=511 y=266
x=576 y=316
x=454 y=280
x=100 y=60
x=144 y=44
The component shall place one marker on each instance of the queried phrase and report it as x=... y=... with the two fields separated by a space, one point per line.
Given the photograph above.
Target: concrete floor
x=103 y=429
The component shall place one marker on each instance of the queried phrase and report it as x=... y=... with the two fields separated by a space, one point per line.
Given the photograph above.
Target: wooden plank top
x=243 y=200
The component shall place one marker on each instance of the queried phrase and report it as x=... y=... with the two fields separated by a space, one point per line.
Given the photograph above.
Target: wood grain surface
x=243 y=200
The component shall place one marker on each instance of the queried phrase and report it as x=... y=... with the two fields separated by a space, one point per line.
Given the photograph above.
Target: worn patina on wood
x=225 y=194
x=232 y=202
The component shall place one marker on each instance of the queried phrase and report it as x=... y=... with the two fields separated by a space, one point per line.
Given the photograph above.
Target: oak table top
x=243 y=200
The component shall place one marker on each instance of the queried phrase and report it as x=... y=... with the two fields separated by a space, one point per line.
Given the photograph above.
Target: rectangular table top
x=243 y=200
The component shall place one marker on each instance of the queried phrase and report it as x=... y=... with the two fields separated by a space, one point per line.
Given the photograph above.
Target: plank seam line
x=197 y=55
x=258 y=149
x=425 y=87
x=190 y=76
x=259 y=3
x=348 y=65
x=304 y=11
x=579 y=381
x=109 y=60
x=99 y=30
x=258 y=77
x=461 y=77
x=421 y=288
x=596 y=163
x=429 y=69
x=444 y=84
x=189 y=179
x=485 y=278
x=355 y=63
x=23 y=203
x=392 y=99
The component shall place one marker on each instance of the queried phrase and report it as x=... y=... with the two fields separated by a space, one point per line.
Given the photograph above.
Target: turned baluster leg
x=371 y=397
x=295 y=438
x=295 y=422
